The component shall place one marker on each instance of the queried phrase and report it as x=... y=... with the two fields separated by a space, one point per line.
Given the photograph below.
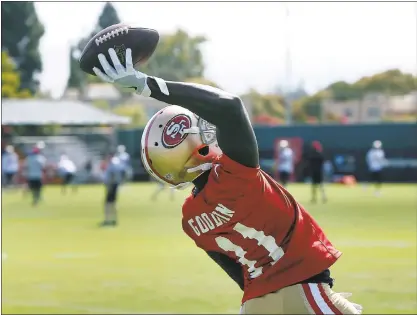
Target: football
x=142 y=41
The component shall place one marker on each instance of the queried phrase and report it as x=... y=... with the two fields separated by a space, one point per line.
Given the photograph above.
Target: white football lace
x=113 y=33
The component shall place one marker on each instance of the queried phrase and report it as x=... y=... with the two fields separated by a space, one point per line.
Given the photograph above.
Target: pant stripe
x=310 y=299
x=319 y=301
x=329 y=303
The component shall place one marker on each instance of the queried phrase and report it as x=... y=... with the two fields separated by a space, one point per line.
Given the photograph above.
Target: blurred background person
x=113 y=177
x=315 y=159
x=66 y=170
x=34 y=167
x=124 y=158
x=375 y=159
x=10 y=166
x=285 y=162
x=88 y=168
x=328 y=171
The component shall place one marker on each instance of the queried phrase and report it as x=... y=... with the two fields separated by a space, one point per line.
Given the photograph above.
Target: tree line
x=179 y=58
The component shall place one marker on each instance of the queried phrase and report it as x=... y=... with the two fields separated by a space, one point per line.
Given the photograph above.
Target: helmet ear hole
x=204 y=151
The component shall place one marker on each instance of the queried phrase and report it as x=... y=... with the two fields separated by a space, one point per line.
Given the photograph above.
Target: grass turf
x=55 y=259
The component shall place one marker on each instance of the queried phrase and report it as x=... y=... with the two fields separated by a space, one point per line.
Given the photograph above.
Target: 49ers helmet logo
x=173 y=133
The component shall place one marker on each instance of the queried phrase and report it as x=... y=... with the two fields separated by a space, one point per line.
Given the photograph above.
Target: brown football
x=142 y=41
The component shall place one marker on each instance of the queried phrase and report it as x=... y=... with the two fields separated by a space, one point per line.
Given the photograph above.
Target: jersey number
x=268 y=242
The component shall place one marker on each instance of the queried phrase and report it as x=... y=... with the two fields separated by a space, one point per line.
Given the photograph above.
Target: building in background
x=373 y=108
x=95 y=92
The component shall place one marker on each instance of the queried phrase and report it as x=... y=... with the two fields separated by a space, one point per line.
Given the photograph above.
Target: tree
x=343 y=91
x=266 y=105
x=21 y=32
x=389 y=83
x=77 y=78
x=107 y=17
x=10 y=79
x=178 y=57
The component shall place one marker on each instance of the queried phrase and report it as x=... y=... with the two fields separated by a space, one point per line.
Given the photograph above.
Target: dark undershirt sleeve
x=235 y=134
x=231 y=267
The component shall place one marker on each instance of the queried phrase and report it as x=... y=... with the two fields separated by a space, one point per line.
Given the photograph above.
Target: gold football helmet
x=178 y=146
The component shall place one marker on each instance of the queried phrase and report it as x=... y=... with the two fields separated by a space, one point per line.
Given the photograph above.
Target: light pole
x=288 y=66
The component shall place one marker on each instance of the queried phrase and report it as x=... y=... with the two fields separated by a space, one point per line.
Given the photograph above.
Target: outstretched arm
x=235 y=134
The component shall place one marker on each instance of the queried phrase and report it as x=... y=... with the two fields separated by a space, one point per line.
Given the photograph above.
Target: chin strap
x=203 y=167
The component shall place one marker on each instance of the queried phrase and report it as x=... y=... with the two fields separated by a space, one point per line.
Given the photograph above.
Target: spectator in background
x=285 y=162
x=124 y=158
x=113 y=177
x=66 y=170
x=34 y=167
x=328 y=171
x=376 y=161
x=88 y=167
x=10 y=166
x=315 y=164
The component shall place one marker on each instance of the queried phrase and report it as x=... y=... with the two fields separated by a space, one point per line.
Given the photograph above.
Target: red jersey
x=243 y=213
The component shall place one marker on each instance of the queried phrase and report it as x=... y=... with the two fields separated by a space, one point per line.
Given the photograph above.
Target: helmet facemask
x=201 y=158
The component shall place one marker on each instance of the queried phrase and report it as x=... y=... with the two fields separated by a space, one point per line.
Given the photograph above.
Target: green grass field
x=56 y=260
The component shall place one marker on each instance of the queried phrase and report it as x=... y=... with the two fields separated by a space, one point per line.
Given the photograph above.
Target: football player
x=113 y=178
x=10 y=166
x=245 y=221
x=285 y=162
x=315 y=163
x=376 y=161
x=66 y=170
x=33 y=168
x=124 y=158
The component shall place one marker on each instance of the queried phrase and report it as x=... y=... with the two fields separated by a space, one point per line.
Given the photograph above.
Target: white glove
x=126 y=77
x=358 y=307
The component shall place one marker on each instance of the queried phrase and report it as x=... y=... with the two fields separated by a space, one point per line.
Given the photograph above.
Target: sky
x=248 y=42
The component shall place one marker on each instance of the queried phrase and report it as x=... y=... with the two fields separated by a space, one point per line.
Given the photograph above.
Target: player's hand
x=123 y=75
x=358 y=307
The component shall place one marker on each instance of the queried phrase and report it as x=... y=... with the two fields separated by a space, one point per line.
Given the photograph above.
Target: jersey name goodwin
x=206 y=222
